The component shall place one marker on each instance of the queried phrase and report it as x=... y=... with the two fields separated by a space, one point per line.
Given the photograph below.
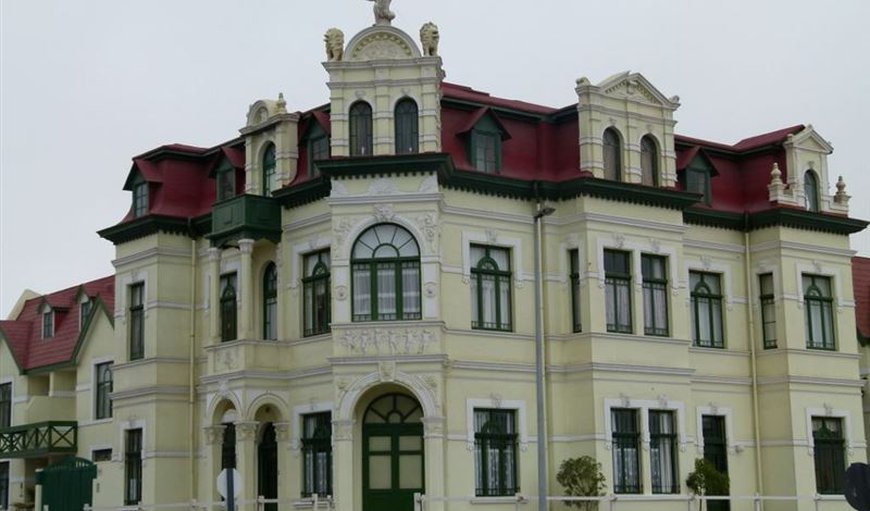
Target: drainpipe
x=750 y=324
x=191 y=401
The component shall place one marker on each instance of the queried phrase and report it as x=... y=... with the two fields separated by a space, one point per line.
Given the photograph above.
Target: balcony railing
x=39 y=439
x=245 y=216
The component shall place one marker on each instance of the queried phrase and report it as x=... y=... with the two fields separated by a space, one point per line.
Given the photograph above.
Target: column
x=246 y=284
x=342 y=461
x=246 y=463
x=285 y=470
x=433 y=439
x=214 y=437
x=214 y=276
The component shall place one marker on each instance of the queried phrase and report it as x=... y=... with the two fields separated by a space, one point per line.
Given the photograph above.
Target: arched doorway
x=392 y=453
x=267 y=469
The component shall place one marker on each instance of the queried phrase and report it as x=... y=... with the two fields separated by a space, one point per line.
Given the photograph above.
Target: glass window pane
x=380 y=472
x=410 y=443
x=410 y=472
x=379 y=443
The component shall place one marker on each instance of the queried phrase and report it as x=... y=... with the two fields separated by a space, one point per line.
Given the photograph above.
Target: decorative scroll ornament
x=428 y=224
x=384 y=212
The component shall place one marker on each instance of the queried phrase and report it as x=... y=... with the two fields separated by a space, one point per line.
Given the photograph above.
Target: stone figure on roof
x=383 y=14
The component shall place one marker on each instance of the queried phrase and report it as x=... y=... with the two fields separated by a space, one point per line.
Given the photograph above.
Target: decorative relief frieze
x=387 y=341
x=383 y=186
x=428 y=225
x=342 y=430
x=384 y=212
x=214 y=434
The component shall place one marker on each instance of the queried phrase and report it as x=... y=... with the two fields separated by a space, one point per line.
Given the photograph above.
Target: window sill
x=507 y=499
x=308 y=503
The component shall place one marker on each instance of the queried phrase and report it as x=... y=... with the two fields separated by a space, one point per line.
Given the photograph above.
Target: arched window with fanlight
x=269 y=174
x=811 y=190
x=612 y=155
x=649 y=161
x=270 y=303
x=360 y=129
x=385 y=267
x=407 y=127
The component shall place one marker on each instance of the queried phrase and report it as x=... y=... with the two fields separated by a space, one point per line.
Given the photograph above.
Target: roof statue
x=334 y=39
x=429 y=37
x=383 y=14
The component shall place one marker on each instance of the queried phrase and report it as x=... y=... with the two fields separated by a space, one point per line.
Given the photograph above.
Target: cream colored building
x=341 y=302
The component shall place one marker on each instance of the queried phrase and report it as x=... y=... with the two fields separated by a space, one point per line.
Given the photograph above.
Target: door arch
x=392 y=450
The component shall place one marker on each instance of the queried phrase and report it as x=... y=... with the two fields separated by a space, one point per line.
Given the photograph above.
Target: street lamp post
x=542 y=211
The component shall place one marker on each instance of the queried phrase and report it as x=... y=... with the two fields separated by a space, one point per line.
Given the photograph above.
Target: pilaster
x=246 y=284
x=214 y=277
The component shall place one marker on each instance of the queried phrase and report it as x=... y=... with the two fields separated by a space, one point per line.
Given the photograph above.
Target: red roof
x=861 y=290
x=463 y=93
x=24 y=334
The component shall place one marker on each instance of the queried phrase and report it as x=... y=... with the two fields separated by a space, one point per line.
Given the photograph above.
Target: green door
x=392 y=453
x=67 y=485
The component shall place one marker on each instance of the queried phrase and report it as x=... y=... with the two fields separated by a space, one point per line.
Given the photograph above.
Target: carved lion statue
x=334 y=39
x=429 y=37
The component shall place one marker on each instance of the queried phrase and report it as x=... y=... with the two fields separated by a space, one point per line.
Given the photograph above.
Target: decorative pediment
x=809 y=140
x=262 y=110
x=634 y=87
x=381 y=43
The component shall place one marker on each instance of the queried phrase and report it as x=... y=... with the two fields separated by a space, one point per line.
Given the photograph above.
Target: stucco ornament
x=384 y=341
x=383 y=14
x=383 y=212
x=429 y=38
x=334 y=39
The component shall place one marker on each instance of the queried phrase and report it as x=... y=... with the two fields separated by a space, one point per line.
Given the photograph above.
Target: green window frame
x=140 y=196
x=649 y=161
x=706 y=311
x=102 y=397
x=316 y=305
x=767 y=300
x=829 y=455
x=491 y=288
x=270 y=302
x=385 y=275
x=617 y=291
x=485 y=146
x=612 y=145
x=228 y=307
x=819 y=306
x=4 y=484
x=576 y=311
x=698 y=177
x=318 y=148
x=270 y=175
x=495 y=453
x=133 y=468
x=626 y=450
x=715 y=441
x=317 y=454
x=5 y=405
x=663 y=452
x=360 y=129
x=226 y=181
x=654 y=271
x=811 y=191
x=48 y=324
x=137 y=321
x=407 y=127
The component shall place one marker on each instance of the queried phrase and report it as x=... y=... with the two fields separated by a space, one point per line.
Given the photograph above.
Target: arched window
x=490 y=288
x=269 y=175
x=228 y=307
x=360 y=129
x=819 y=312
x=270 y=303
x=315 y=290
x=811 y=190
x=649 y=161
x=385 y=267
x=706 y=313
x=612 y=155
x=407 y=130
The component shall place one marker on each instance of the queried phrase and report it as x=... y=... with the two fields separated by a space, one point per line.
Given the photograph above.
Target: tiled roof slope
x=861 y=290
x=23 y=335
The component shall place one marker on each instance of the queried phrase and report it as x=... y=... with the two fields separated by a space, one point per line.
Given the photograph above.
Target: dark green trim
x=713 y=218
x=39 y=439
x=309 y=191
x=144 y=226
x=775 y=217
x=380 y=166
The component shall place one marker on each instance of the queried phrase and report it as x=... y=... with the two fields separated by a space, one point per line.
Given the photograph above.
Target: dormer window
x=47 y=322
x=270 y=180
x=407 y=127
x=140 y=196
x=485 y=151
x=649 y=161
x=318 y=148
x=811 y=191
x=85 y=306
x=226 y=181
x=360 y=129
x=697 y=178
x=612 y=155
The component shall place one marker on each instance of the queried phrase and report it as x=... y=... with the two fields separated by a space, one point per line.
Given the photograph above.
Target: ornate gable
x=809 y=140
x=381 y=43
x=633 y=86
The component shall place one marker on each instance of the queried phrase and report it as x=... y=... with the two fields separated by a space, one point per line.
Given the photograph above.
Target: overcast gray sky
x=87 y=84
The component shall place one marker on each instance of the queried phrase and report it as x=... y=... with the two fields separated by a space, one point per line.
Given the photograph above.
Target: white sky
x=87 y=84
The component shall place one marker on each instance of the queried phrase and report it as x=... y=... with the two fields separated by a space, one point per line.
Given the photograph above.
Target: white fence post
x=757 y=502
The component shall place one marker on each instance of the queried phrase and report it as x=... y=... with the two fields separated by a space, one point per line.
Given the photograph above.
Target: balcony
x=245 y=217
x=39 y=439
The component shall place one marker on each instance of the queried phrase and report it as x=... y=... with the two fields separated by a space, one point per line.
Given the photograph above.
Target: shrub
x=582 y=477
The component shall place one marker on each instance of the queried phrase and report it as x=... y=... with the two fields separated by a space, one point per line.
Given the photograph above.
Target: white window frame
x=716 y=411
x=644 y=406
x=494 y=403
x=302 y=410
x=94 y=363
x=45 y=310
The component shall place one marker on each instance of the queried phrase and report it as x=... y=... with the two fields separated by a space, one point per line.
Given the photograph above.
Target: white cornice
x=811 y=380
x=718 y=352
x=710 y=245
x=809 y=353
x=721 y=380
x=307 y=222
x=150 y=391
x=489 y=214
x=380 y=199
x=350 y=361
x=618 y=220
x=803 y=247
x=149 y=253
x=263 y=375
x=622 y=368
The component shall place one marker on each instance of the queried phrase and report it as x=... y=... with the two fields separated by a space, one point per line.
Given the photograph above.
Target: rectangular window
x=663 y=452
x=495 y=450
x=101 y=455
x=617 y=275
x=574 y=257
x=830 y=457
x=103 y=405
x=768 y=310
x=698 y=181
x=226 y=182
x=486 y=151
x=315 y=289
x=317 y=454
x=84 y=312
x=228 y=307
x=133 y=468
x=137 y=321
x=490 y=288
x=47 y=324
x=626 y=450
x=318 y=150
x=4 y=485
x=706 y=313
x=140 y=198
x=715 y=442
x=655 y=294
x=818 y=304
x=5 y=405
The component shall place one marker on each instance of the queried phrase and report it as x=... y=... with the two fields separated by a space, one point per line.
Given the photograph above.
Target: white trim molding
x=718 y=411
x=497 y=403
x=296 y=427
x=644 y=406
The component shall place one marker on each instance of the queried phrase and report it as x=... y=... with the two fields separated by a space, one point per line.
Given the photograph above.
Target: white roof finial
x=383 y=14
